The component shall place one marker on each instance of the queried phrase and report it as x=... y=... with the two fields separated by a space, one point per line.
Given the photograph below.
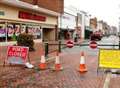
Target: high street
x=69 y=77
x=59 y=44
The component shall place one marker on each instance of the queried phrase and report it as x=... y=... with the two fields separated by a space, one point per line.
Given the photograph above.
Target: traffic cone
x=57 y=66
x=42 y=64
x=82 y=67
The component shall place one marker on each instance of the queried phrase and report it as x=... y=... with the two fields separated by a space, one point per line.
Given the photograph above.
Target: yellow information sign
x=109 y=58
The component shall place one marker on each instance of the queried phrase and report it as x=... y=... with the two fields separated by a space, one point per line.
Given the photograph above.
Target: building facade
x=56 y=5
x=93 y=23
x=83 y=24
x=82 y=21
x=79 y=25
x=67 y=24
x=88 y=30
x=113 y=30
x=20 y=16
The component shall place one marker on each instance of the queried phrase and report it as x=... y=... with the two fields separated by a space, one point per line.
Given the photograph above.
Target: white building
x=67 y=23
x=101 y=26
x=81 y=24
x=78 y=20
x=113 y=30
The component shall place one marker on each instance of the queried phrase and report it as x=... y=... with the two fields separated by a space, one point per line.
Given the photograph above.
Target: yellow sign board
x=109 y=58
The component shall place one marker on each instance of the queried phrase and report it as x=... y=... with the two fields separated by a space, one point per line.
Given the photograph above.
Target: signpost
x=17 y=54
x=70 y=44
x=93 y=44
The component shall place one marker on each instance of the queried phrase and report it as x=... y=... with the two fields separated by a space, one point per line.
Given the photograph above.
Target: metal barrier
x=52 y=47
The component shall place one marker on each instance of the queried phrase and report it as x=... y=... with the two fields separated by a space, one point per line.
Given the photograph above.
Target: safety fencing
x=50 y=47
x=80 y=47
x=58 y=46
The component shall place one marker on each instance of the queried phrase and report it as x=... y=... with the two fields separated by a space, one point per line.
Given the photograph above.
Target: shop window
x=17 y=29
x=10 y=30
x=23 y=28
x=36 y=31
x=13 y=30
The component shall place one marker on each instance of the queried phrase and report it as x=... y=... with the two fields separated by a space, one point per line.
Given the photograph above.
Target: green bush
x=26 y=40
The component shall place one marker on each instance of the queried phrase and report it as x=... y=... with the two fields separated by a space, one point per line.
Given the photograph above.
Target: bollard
x=59 y=46
x=46 y=49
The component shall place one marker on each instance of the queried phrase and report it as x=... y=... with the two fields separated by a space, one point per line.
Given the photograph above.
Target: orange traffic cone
x=42 y=64
x=82 y=67
x=57 y=66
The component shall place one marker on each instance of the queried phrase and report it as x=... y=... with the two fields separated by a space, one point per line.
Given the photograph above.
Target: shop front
x=9 y=29
x=67 y=25
x=16 y=20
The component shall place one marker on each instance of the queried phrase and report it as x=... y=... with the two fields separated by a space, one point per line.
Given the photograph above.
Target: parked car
x=96 y=36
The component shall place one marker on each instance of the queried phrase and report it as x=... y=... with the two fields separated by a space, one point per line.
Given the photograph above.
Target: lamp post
x=60 y=32
x=60 y=26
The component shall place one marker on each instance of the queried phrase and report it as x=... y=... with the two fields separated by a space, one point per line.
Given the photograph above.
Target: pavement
x=20 y=77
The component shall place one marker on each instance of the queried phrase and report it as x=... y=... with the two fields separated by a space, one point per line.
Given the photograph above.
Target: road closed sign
x=17 y=54
x=109 y=58
x=69 y=43
x=93 y=44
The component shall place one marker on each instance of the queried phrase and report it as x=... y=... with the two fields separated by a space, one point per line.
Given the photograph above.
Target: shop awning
x=25 y=5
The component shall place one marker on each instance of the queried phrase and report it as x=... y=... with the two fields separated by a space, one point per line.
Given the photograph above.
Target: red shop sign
x=31 y=16
x=17 y=54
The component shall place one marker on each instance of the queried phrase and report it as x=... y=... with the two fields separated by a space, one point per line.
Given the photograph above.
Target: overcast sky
x=107 y=10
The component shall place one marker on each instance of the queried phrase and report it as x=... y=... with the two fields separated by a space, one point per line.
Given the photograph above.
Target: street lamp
x=60 y=26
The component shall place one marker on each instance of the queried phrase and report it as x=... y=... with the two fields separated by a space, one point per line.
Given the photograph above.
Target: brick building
x=56 y=5
x=39 y=17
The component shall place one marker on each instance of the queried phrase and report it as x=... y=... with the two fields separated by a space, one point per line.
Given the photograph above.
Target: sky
x=106 y=10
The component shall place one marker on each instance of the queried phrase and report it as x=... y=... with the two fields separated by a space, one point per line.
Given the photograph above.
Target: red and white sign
x=93 y=44
x=70 y=44
x=17 y=54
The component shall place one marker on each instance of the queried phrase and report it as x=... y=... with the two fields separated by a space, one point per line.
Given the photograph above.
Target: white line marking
x=107 y=81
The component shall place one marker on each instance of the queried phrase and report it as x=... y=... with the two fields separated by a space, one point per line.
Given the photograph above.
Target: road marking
x=107 y=81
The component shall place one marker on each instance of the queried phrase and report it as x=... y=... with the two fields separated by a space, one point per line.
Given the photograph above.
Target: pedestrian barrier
x=82 y=66
x=57 y=66
x=53 y=47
